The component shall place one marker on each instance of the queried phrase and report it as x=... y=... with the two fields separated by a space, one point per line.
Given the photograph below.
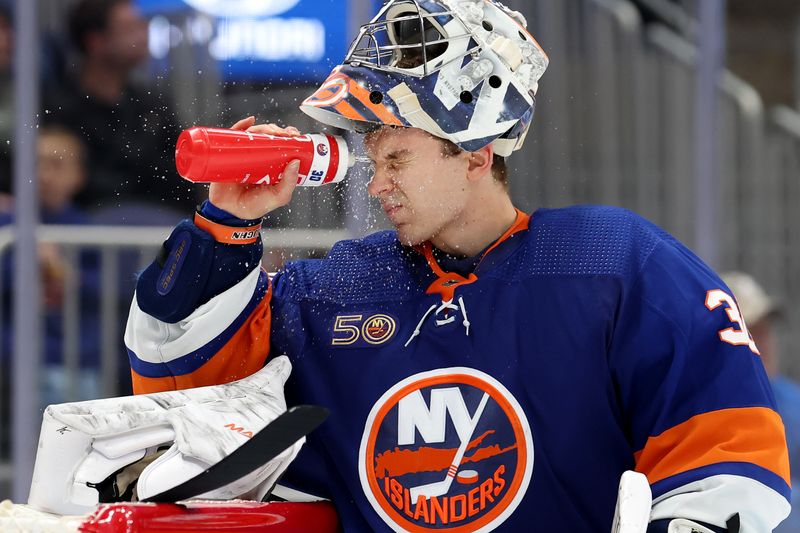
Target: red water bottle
x=205 y=155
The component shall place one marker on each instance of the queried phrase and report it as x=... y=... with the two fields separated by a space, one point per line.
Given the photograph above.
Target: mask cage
x=405 y=40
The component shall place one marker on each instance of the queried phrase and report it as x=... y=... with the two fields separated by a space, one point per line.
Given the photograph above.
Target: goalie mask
x=462 y=70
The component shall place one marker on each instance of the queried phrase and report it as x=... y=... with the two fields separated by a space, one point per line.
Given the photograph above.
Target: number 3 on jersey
x=737 y=337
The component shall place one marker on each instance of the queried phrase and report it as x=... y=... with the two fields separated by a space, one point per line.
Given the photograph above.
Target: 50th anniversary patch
x=448 y=449
x=362 y=330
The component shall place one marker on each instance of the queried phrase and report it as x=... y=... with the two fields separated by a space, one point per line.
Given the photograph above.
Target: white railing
x=121 y=252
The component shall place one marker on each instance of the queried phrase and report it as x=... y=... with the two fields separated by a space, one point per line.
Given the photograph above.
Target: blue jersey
x=585 y=342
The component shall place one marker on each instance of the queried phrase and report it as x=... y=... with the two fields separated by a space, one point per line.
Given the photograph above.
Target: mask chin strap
x=506 y=147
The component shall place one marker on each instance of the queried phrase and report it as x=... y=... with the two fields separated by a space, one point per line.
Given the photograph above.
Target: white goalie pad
x=113 y=444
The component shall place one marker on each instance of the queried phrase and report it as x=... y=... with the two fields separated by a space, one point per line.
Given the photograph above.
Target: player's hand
x=254 y=201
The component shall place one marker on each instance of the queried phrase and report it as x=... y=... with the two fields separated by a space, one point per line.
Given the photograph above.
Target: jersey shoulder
x=588 y=240
x=374 y=268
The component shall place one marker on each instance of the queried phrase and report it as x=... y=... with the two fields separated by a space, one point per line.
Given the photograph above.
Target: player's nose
x=380 y=184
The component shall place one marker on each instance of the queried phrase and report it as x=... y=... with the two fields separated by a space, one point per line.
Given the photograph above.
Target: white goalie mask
x=463 y=70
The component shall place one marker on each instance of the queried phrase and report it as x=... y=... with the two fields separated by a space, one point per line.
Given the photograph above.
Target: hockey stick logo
x=448 y=450
x=439 y=488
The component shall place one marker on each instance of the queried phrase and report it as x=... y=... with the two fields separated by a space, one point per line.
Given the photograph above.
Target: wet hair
x=499 y=167
x=90 y=16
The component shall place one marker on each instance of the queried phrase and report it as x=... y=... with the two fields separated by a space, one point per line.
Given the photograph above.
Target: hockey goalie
x=132 y=449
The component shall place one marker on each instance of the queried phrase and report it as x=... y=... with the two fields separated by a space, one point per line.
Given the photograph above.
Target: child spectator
x=61 y=174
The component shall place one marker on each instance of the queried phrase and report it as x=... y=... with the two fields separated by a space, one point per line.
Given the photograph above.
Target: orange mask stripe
x=380 y=110
x=349 y=111
x=751 y=434
x=244 y=354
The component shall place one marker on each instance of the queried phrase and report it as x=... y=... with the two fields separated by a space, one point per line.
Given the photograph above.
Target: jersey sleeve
x=201 y=314
x=696 y=401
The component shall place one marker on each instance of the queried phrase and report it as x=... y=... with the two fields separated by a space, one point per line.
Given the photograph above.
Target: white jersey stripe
x=159 y=342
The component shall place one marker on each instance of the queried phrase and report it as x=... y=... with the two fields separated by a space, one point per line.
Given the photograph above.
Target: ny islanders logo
x=446 y=450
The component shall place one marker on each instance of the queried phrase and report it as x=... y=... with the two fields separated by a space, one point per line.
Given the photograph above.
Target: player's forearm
x=193 y=266
x=201 y=313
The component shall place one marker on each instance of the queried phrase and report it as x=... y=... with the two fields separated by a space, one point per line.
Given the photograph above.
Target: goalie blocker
x=132 y=448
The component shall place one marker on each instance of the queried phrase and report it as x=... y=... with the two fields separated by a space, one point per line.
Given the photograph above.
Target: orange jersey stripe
x=744 y=435
x=244 y=354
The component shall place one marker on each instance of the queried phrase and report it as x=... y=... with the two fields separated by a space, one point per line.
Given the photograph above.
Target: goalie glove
x=632 y=513
x=111 y=450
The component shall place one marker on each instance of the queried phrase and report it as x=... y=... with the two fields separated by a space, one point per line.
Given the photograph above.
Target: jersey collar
x=446 y=283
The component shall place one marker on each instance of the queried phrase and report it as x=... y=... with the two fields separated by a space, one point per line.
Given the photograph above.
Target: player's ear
x=480 y=163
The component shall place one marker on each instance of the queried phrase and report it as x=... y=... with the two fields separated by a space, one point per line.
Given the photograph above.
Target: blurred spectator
x=760 y=312
x=6 y=106
x=130 y=131
x=61 y=174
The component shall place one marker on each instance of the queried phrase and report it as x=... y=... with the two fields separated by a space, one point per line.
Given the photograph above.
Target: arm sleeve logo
x=446 y=450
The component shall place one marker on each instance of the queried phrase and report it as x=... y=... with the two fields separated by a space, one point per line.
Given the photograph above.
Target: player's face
x=422 y=190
